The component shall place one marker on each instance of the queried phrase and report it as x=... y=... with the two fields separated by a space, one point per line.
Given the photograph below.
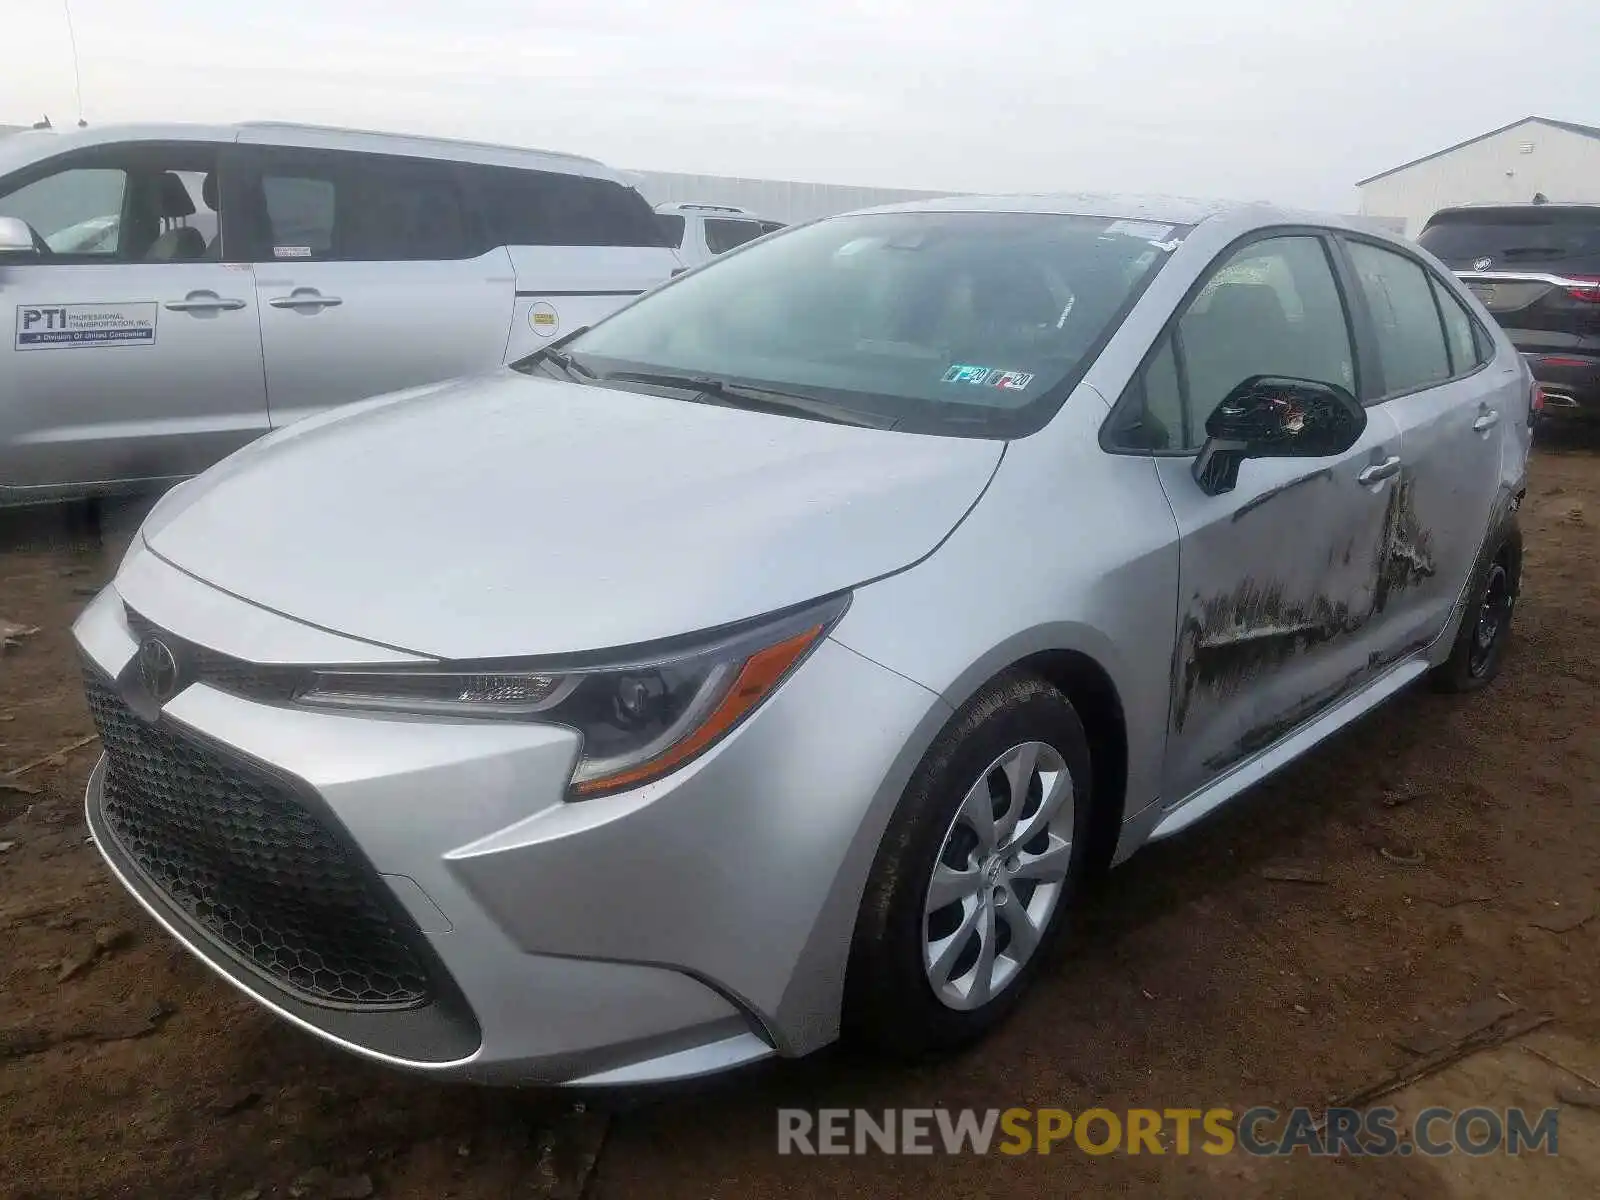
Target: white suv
x=178 y=290
x=700 y=232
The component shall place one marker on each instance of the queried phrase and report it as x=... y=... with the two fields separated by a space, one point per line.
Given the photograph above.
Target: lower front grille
x=248 y=863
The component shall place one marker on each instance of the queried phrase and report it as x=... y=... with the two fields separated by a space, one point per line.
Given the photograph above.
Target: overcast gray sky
x=1288 y=100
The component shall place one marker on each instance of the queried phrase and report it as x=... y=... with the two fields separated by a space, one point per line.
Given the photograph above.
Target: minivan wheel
x=1480 y=643
x=982 y=856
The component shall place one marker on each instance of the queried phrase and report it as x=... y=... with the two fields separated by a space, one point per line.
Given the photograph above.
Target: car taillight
x=1585 y=288
x=1536 y=399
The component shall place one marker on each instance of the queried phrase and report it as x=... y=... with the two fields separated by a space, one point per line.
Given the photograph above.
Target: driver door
x=132 y=351
x=1277 y=575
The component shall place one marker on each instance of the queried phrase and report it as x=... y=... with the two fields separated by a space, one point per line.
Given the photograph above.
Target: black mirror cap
x=1276 y=416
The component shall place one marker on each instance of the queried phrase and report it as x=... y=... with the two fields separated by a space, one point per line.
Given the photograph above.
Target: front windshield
x=971 y=323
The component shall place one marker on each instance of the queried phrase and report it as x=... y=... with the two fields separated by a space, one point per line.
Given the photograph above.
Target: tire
x=1025 y=884
x=1480 y=645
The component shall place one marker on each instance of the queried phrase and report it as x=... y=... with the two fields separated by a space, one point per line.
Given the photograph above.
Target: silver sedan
x=776 y=659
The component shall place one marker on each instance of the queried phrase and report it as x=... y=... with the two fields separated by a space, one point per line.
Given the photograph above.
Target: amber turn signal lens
x=760 y=674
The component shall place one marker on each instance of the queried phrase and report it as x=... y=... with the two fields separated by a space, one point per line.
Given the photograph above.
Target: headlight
x=640 y=716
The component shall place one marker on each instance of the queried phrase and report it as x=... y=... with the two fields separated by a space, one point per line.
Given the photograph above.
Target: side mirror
x=16 y=237
x=1271 y=416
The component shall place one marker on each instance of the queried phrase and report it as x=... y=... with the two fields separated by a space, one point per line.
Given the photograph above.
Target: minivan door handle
x=304 y=298
x=1486 y=421
x=204 y=302
x=1378 y=472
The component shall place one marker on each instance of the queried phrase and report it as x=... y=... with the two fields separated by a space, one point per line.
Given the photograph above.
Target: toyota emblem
x=158 y=669
x=1482 y=264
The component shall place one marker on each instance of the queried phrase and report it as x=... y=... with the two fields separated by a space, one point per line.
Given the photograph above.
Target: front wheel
x=983 y=854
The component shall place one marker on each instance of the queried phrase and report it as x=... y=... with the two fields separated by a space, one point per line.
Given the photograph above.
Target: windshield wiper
x=555 y=355
x=756 y=398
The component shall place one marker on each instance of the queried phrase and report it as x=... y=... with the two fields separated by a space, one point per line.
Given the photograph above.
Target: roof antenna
x=1540 y=198
x=77 y=78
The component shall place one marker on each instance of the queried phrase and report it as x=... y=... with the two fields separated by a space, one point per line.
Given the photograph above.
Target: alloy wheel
x=999 y=876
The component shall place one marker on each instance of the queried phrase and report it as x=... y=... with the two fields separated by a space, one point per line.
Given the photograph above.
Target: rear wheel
x=983 y=854
x=1480 y=643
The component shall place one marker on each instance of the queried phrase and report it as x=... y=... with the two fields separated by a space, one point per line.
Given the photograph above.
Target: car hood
x=510 y=515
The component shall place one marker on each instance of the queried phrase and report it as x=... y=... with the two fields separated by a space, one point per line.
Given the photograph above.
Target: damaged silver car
x=775 y=659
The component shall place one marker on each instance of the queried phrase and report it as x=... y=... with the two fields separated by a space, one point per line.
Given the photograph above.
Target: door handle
x=204 y=302
x=1486 y=421
x=1378 y=472
x=305 y=300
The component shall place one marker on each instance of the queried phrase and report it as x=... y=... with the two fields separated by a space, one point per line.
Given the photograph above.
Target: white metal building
x=1509 y=165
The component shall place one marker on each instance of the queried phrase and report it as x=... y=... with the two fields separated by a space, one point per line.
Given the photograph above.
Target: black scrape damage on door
x=1227 y=641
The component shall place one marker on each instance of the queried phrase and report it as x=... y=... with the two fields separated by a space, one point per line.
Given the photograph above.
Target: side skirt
x=1206 y=800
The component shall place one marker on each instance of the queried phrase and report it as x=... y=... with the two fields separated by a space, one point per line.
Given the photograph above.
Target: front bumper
x=688 y=926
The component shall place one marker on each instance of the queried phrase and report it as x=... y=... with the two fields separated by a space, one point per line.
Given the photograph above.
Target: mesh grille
x=236 y=852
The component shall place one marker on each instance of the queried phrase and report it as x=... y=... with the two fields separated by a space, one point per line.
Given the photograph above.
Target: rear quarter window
x=548 y=208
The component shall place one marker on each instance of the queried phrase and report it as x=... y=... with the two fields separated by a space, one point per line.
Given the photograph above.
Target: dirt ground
x=1454 y=850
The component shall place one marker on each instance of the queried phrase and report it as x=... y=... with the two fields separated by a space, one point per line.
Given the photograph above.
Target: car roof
x=30 y=145
x=1490 y=208
x=1169 y=210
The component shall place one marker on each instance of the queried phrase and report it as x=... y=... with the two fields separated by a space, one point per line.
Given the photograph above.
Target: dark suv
x=1536 y=267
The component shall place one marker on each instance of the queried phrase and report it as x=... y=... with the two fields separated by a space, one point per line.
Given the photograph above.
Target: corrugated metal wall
x=1508 y=168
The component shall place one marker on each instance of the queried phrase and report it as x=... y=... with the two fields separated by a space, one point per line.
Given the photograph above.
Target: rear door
x=131 y=349
x=371 y=276
x=581 y=247
x=1435 y=375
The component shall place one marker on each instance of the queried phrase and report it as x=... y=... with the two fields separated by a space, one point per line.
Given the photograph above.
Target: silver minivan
x=175 y=291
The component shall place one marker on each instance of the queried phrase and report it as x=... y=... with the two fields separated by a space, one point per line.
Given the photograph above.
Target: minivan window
x=75 y=211
x=970 y=323
x=300 y=213
x=548 y=208
x=358 y=208
x=723 y=234
x=1411 y=345
x=1522 y=237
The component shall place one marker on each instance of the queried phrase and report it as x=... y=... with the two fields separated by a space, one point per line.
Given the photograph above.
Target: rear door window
x=1410 y=336
x=357 y=208
x=1460 y=333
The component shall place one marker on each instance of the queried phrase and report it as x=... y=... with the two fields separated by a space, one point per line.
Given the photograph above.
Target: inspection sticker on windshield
x=1148 y=230
x=1014 y=381
x=43 y=326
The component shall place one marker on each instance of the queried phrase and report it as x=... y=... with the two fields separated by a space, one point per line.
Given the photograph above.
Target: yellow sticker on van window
x=543 y=319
